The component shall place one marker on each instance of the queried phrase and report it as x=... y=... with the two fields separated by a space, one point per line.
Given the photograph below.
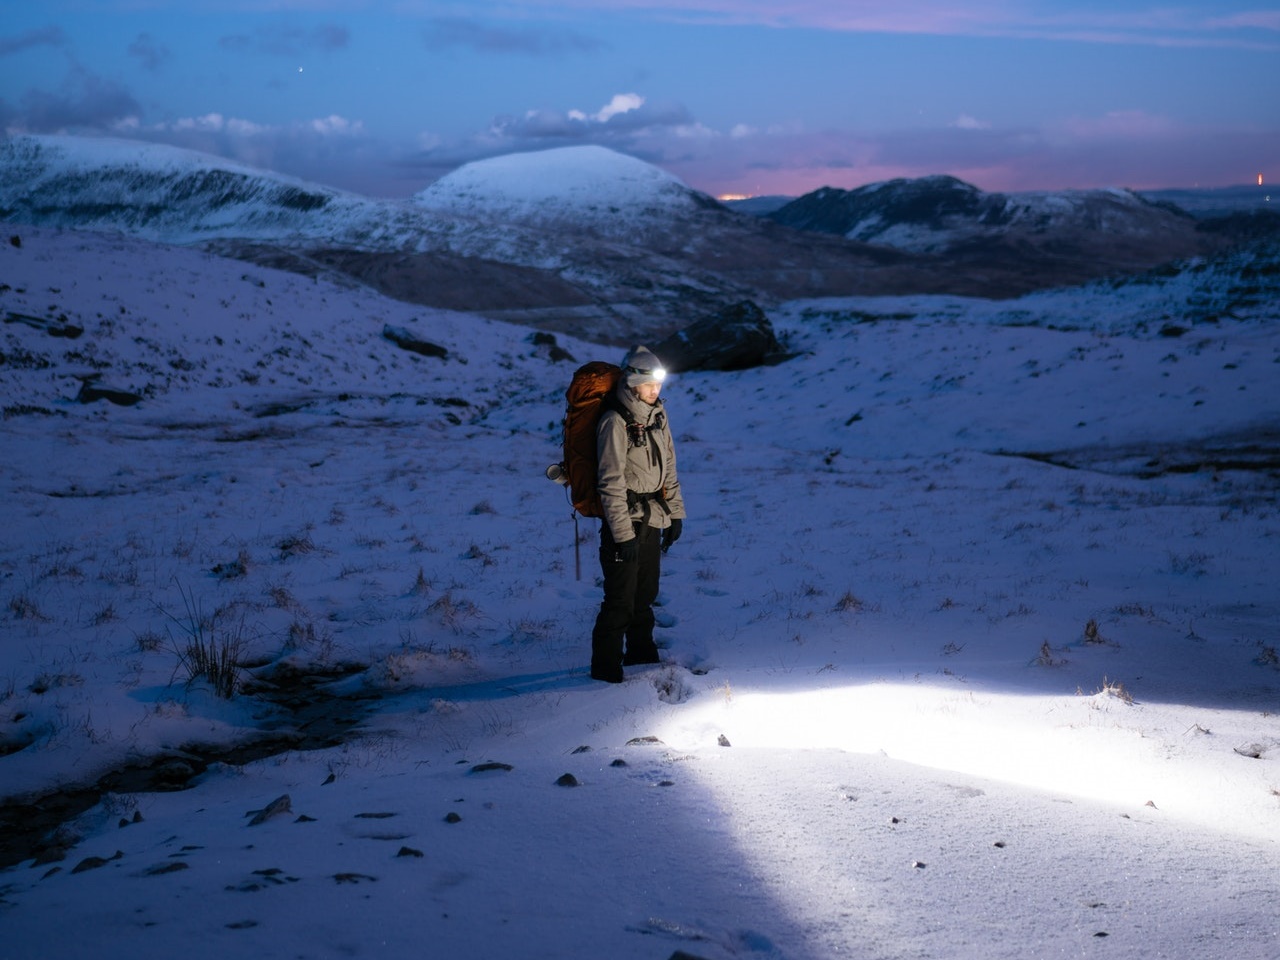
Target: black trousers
x=626 y=613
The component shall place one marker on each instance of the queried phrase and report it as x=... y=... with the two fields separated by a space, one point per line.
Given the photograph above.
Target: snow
x=583 y=184
x=497 y=209
x=90 y=155
x=949 y=672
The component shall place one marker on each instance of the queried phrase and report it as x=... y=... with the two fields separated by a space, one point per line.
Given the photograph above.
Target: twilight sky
x=733 y=96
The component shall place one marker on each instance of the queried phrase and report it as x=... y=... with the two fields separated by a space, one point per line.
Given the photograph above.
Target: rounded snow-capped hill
x=585 y=186
x=173 y=195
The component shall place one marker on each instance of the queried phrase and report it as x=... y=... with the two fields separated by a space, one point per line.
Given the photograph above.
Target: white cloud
x=966 y=122
x=330 y=126
x=334 y=125
x=694 y=131
x=621 y=103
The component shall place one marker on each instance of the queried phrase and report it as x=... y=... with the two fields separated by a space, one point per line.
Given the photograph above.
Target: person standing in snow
x=643 y=514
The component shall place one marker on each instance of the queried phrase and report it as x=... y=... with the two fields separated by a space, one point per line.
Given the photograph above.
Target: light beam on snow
x=1061 y=745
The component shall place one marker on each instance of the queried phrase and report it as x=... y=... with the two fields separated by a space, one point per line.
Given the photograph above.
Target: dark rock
x=547 y=345
x=405 y=340
x=163 y=868
x=352 y=877
x=491 y=765
x=92 y=393
x=409 y=852
x=61 y=327
x=93 y=863
x=567 y=780
x=736 y=338
x=452 y=817
x=281 y=804
x=722 y=740
x=173 y=772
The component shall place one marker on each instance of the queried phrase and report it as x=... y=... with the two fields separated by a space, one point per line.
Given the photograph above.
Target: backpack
x=585 y=399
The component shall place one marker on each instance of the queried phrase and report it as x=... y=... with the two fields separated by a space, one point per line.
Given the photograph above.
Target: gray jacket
x=641 y=468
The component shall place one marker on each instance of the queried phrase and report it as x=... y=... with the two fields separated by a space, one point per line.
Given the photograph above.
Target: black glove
x=671 y=534
x=628 y=551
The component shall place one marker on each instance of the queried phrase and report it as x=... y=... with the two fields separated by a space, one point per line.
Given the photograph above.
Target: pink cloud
x=1196 y=24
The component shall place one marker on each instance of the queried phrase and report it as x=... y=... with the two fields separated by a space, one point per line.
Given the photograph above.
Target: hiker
x=643 y=514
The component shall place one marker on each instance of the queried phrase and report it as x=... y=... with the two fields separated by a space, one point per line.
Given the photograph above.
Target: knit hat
x=640 y=366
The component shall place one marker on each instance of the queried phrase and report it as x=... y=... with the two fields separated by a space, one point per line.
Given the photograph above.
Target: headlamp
x=657 y=374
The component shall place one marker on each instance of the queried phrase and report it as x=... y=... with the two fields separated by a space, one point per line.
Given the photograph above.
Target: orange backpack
x=592 y=385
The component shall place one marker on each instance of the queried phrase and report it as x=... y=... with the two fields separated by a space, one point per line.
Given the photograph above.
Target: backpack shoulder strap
x=611 y=402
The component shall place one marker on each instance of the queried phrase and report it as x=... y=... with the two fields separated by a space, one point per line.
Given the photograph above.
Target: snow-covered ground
x=964 y=658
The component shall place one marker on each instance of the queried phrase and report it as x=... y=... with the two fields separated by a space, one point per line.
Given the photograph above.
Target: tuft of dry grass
x=206 y=651
x=421 y=585
x=24 y=608
x=232 y=569
x=849 y=603
x=1046 y=658
x=451 y=611
x=1114 y=688
x=296 y=545
x=148 y=641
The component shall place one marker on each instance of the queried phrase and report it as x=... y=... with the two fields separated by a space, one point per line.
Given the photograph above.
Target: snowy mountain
x=176 y=196
x=571 y=189
x=940 y=213
x=581 y=239
x=586 y=241
x=970 y=645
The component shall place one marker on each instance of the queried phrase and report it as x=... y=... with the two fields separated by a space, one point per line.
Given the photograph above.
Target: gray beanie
x=641 y=366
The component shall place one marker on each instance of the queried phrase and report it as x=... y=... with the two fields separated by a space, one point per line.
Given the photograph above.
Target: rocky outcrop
x=736 y=338
x=405 y=340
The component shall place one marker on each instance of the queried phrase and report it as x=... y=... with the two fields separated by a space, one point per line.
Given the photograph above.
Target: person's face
x=648 y=392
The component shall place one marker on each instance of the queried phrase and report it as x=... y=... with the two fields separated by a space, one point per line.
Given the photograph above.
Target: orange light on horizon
x=733 y=196
x=1259 y=179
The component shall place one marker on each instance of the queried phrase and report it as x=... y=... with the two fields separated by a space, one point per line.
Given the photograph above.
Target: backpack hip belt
x=635 y=498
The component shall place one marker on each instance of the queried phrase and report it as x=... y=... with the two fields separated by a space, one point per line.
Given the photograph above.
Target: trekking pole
x=577 y=549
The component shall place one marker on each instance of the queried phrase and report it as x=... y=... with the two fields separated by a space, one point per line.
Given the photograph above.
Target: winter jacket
x=642 y=469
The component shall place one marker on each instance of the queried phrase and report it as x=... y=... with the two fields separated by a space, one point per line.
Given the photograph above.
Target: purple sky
x=734 y=96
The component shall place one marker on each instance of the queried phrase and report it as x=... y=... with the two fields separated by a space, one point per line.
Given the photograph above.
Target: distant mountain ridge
x=932 y=214
x=592 y=242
